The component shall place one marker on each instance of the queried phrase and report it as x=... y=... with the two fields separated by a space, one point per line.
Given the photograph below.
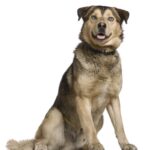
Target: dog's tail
x=21 y=145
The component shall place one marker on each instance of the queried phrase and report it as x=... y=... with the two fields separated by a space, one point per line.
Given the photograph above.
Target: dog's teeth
x=101 y=37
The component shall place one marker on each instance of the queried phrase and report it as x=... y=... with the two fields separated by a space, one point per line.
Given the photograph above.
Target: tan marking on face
x=115 y=14
x=108 y=13
x=97 y=12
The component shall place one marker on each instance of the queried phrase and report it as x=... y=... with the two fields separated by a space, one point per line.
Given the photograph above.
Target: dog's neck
x=101 y=51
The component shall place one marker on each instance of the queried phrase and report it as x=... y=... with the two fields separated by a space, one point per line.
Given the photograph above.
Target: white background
x=37 y=39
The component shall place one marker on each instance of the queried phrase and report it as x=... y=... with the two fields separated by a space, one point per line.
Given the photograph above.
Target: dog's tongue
x=101 y=37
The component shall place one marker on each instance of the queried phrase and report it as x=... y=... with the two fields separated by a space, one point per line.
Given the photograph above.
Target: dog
x=89 y=86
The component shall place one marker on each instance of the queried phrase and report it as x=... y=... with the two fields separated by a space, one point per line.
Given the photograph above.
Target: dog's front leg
x=85 y=116
x=115 y=114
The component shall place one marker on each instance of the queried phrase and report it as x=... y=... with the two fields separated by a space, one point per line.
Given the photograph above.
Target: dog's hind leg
x=40 y=147
x=51 y=131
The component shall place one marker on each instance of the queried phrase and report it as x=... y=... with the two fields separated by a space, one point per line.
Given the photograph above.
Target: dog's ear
x=82 y=12
x=123 y=14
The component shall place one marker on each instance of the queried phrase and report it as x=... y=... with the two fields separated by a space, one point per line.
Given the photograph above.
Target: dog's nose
x=102 y=25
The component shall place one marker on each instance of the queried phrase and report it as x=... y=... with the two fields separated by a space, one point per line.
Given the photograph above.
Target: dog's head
x=102 y=26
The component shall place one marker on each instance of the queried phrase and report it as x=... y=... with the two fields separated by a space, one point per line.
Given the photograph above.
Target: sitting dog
x=89 y=86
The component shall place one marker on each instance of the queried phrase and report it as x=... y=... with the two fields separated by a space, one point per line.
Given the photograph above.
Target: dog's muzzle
x=101 y=32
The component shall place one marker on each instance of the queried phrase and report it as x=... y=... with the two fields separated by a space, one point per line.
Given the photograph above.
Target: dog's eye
x=111 y=19
x=93 y=17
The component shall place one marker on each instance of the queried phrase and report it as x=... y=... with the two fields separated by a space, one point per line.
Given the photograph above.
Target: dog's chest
x=99 y=78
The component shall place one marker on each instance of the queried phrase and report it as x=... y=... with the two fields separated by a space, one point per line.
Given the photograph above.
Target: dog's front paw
x=129 y=147
x=97 y=146
x=40 y=147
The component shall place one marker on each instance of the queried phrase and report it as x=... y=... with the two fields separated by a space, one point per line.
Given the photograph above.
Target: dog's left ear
x=82 y=12
x=123 y=14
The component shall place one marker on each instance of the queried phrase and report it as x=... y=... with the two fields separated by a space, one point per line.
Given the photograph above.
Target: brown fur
x=91 y=84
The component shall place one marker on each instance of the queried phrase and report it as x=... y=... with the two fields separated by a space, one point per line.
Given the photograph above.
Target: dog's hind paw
x=40 y=147
x=96 y=147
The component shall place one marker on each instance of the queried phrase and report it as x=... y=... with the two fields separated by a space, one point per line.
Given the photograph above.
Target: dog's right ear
x=82 y=12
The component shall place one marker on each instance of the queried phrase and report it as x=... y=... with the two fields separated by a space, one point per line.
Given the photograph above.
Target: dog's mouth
x=101 y=36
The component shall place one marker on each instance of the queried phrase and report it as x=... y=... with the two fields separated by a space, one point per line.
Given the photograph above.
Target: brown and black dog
x=89 y=86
